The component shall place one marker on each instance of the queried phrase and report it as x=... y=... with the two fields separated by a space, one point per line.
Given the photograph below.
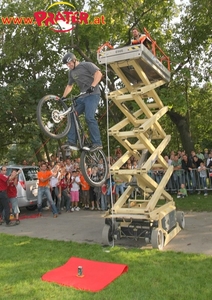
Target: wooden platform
x=152 y=66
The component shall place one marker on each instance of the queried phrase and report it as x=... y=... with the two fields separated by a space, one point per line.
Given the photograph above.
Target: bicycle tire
x=95 y=159
x=48 y=118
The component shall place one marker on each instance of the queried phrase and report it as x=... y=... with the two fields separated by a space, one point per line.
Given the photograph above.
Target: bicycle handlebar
x=76 y=97
x=73 y=98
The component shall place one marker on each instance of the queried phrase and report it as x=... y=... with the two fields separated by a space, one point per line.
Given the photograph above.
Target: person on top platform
x=140 y=38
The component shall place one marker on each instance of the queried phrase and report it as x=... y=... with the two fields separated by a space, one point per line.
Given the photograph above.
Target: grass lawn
x=194 y=202
x=152 y=274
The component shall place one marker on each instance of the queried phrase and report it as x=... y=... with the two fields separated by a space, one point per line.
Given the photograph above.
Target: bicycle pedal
x=86 y=148
x=69 y=147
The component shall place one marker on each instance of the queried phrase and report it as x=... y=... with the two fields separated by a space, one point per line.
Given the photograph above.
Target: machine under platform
x=149 y=63
x=145 y=209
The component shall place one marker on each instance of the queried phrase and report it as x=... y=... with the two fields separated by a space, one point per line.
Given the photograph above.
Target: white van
x=27 y=189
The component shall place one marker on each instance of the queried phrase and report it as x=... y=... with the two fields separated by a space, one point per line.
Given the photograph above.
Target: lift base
x=157 y=232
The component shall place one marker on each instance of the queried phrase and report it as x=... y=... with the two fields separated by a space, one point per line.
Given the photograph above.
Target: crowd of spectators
x=191 y=172
x=71 y=192
x=194 y=171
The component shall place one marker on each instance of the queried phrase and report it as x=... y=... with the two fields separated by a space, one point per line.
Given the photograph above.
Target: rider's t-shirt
x=83 y=76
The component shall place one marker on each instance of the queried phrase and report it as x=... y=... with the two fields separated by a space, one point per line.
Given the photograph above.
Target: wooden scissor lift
x=151 y=212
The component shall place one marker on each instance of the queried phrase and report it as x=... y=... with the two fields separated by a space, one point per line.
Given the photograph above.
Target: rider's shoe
x=70 y=145
x=95 y=147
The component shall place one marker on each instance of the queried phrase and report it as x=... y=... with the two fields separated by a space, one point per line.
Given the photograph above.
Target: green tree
x=190 y=52
x=29 y=60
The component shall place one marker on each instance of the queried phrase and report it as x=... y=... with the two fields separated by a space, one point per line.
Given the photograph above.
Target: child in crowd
x=75 y=181
x=182 y=193
x=64 y=184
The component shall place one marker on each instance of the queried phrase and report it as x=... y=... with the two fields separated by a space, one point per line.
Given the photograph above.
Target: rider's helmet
x=68 y=57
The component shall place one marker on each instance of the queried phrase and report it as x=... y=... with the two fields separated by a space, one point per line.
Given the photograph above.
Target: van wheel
x=31 y=207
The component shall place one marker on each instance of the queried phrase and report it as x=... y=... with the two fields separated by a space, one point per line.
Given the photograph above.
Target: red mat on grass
x=96 y=275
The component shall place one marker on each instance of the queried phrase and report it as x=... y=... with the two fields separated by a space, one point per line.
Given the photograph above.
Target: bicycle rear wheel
x=50 y=119
x=94 y=162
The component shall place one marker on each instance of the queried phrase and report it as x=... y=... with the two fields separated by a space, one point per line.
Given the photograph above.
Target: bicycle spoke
x=50 y=118
x=93 y=159
x=95 y=162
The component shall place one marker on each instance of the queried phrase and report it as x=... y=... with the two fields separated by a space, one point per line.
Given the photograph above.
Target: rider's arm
x=67 y=90
x=96 y=78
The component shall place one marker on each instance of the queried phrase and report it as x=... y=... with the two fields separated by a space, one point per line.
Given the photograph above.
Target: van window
x=9 y=171
x=30 y=173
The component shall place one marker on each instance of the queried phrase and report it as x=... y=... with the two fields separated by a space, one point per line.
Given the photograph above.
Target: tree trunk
x=183 y=129
x=38 y=154
x=45 y=146
x=62 y=151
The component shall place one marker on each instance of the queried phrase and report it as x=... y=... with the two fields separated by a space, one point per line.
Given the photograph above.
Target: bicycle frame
x=71 y=108
x=79 y=129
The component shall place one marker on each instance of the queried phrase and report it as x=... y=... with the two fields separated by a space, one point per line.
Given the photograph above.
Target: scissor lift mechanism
x=151 y=214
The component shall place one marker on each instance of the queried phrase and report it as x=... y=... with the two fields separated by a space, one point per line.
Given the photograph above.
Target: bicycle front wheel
x=51 y=118
x=94 y=167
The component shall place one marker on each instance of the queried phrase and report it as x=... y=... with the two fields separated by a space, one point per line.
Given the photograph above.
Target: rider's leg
x=39 y=199
x=91 y=105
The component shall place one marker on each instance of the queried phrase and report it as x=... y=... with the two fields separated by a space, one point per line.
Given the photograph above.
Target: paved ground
x=86 y=226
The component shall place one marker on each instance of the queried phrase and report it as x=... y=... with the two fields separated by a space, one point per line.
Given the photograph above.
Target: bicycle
x=54 y=119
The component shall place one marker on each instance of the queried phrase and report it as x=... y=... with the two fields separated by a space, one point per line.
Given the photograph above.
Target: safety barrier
x=192 y=180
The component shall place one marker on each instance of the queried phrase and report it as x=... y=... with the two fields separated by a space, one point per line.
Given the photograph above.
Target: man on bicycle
x=87 y=76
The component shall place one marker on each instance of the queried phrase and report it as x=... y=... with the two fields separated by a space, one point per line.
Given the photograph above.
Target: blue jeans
x=203 y=182
x=177 y=180
x=189 y=181
x=87 y=105
x=103 y=202
x=4 y=206
x=66 y=199
x=58 y=199
x=45 y=191
x=120 y=189
x=193 y=179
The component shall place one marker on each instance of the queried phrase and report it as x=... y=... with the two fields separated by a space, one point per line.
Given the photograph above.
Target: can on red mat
x=80 y=271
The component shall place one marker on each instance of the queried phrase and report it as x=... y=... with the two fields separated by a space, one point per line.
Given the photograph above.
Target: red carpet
x=96 y=275
x=22 y=217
